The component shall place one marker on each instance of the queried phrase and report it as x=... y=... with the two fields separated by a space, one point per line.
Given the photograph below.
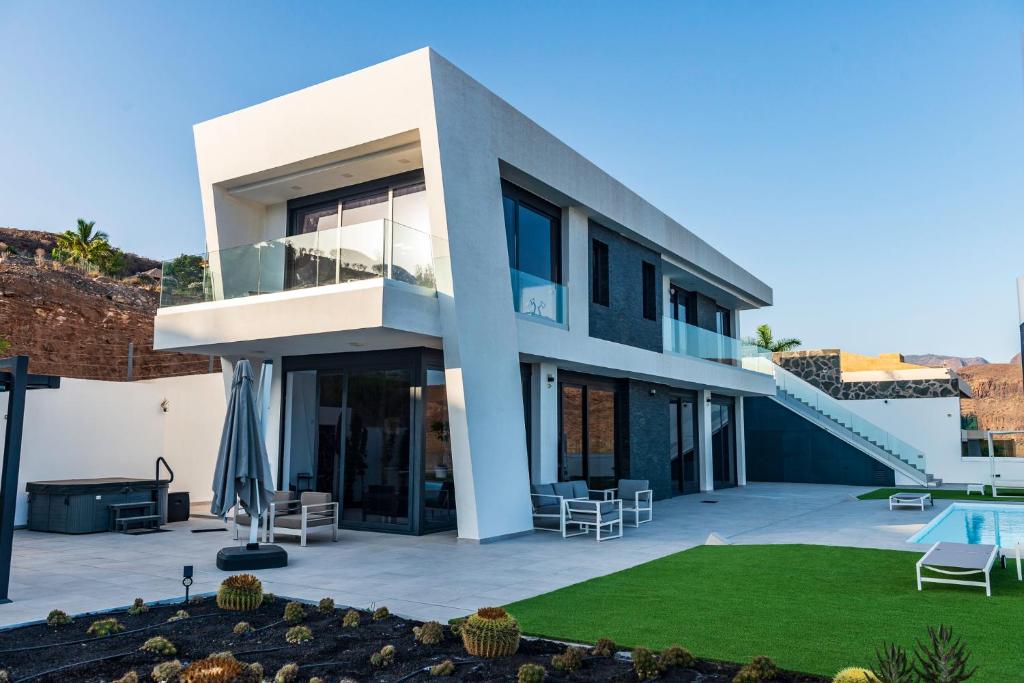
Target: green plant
x=854 y=674
x=297 y=635
x=138 y=607
x=294 y=612
x=381 y=613
x=57 y=618
x=325 y=606
x=83 y=245
x=269 y=598
x=893 y=665
x=212 y=669
x=604 y=647
x=104 y=627
x=351 y=619
x=430 y=633
x=252 y=673
x=767 y=341
x=943 y=659
x=178 y=616
x=491 y=632
x=166 y=671
x=531 y=673
x=645 y=664
x=385 y=657
x=130 y=677
x=759 y=669
x=158 y=645
x=242 y=628
x=675 y=657
x=570 y=660
x=445 y=668
x=287 y=673
x=240 y=593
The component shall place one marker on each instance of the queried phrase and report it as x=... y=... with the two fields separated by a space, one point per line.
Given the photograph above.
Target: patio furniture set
x=573 y=509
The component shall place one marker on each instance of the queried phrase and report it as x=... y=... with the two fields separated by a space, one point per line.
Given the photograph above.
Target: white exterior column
x=741 y=445
x=576 y=269
x=706 y=474
x=272 y=423
x=544 y=423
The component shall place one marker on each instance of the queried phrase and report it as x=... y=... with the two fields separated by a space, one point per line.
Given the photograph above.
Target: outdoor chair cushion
x=585 y=512
x=628 y=488
x=545 y=509
x=295 y=521
x=564 y=489
x=579 y=489
x=314 y=498
x=545 y=489
x=279 y=497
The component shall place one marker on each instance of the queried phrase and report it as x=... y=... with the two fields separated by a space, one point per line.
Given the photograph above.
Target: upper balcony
x=683 y=339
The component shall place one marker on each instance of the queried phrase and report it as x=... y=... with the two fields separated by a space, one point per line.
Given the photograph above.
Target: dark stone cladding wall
x=622 y=320
x=646 y=439
x=822 y=369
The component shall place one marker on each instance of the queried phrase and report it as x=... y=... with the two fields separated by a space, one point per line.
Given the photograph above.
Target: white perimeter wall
x=89 y=428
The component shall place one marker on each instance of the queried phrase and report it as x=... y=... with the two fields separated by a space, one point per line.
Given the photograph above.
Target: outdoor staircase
x=141 y=517
x=831 y=415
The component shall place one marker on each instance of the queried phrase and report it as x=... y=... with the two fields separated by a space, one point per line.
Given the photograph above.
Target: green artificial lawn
x=815 y=609
x=944 y=494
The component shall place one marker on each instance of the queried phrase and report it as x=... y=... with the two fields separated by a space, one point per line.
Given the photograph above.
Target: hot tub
x=81 y=506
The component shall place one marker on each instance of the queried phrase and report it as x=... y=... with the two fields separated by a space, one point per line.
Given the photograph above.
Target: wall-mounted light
x=164 y=405
x=551 y=380
x=653 y=392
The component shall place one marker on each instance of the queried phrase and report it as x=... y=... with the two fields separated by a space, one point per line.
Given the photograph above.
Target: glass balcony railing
x=684 y=339
x=375 y=249
x=538 y=298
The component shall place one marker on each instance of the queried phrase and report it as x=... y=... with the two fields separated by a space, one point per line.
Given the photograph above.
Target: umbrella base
x=238 y=558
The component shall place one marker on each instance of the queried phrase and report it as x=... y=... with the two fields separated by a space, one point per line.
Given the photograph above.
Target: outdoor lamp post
x=186 y=579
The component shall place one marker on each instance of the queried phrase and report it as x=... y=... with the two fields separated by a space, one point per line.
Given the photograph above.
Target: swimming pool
x=1001 y=525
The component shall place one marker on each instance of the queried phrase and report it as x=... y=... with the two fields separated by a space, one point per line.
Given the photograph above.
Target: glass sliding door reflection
x=375 y=485
x=723 y=445
x=438 y=478
x=571 y=455
x=300 y=431
x=682 y=413
x=328 y=450
x=601 y=438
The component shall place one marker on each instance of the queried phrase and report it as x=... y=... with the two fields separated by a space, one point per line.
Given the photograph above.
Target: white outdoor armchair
x=604 y=517
x=637 y=499
x=297 y=517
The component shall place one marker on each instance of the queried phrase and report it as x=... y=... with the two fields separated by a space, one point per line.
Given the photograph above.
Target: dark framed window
x=723 y=321
x=363 y=202
x=650 y=293
x=681 y=305
x=588 y=429
x=599 y=273
x=533 y=229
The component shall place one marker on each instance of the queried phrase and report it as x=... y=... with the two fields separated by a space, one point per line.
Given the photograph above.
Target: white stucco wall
x=89 y=428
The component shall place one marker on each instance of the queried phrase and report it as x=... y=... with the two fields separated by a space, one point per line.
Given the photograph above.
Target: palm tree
x=765 y=340
x=84 y=244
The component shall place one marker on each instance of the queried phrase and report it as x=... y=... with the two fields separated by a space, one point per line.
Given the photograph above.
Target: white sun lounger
x=910 y=500
x=958 y=559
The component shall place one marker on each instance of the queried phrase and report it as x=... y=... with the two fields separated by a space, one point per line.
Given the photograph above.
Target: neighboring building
x=898 y=409
x=455 y=304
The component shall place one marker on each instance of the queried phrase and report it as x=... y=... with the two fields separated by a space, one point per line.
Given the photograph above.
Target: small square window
x=650 y=303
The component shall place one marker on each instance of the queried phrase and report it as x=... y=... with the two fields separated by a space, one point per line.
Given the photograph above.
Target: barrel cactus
x=57 y=617
x=214 y=669
x=531 y=673
x=240 y=593
x=287 y=673
x=166 y=671
x=491 y=632
x=855 y=674
x=430 y=633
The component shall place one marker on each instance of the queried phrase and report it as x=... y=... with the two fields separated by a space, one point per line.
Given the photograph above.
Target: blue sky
x=864 y=159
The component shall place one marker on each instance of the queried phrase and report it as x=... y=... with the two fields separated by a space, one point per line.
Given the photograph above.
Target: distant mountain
x=1015 y=360
x=934 y=360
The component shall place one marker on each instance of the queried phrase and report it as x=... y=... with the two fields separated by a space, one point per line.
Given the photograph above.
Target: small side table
x=975 y=488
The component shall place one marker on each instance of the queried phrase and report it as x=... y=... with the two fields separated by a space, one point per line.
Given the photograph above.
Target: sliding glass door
x=682 y=420
x=587 y=449
x=723 y=442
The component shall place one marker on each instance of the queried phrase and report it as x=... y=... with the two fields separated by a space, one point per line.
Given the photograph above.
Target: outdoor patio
x=436 y=576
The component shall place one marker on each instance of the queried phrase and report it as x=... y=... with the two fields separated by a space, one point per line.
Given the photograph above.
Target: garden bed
x=42 y=653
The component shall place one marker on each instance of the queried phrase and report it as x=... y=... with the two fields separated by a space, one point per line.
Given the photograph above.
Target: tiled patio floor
x=437 y=576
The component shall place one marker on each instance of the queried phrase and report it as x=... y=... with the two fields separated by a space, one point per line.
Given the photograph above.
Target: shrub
x=943 y=659
x=294 y=612
x=242 y=628
x=491 y=632
x=854 y=674
x=240 y=593
x=675 y=657
x=381 y=613
x=287 y=673
x=445 y=668
x=212 y=669
x=531 y=673
x=166 y=671
x=604 y=647
x=385 y=657
x=893 y=665
x=138 y=607
x=325 y=606
x=759 y=669
x=130 y=677
x=178 y=616
x=570 y=660
x=297 y=635
x=430 y=633
x=104 y=627
x=645 y=664
x=158 y=645
x=57 y=618
x=269 y=598
x=351 y=619
x=253 y=673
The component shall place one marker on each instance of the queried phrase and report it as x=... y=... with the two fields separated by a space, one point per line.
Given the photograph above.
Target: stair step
x=129 y=506
x=138 y=518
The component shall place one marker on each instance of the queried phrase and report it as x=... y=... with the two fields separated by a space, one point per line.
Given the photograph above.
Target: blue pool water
x=1001 y=525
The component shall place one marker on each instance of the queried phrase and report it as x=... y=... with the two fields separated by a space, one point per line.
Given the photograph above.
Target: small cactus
x=531 y=673
x=287 y=674
x=445 y=668
x=166 y=671
x=675 y=657
x=240 y=593
x=130 y=677
x=178 y=616
x=212 y=669
x=158 y=645
x=104 y=627
x=604 y=647
x=138 y=607
x=269 y=598
x=297 y=635
x=855 y=674
x=57 y=617
x=242 y=628
x=325 y=606
x=381 y=613
x=759 y=669
x=386 y=657
x=294 y=612
x=196 y=600
x=430 y=633
x=252 y=673
x=570 y=660
x=491 y=632
x=645 y=664
x=351 y=619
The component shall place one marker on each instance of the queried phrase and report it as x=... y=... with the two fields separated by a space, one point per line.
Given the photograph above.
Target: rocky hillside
x=26 y=242
x=74 y=324
x=998 y=395
x=934 y=360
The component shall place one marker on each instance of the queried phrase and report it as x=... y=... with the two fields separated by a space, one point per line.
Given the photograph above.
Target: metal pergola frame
x=15 y=380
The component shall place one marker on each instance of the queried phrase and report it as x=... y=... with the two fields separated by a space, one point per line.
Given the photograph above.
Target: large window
x=723 y=442
x=682 y=449
x=723 y=321
x=587 y=444
x=438 y=477
x=681 y=305
x=533 y=230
